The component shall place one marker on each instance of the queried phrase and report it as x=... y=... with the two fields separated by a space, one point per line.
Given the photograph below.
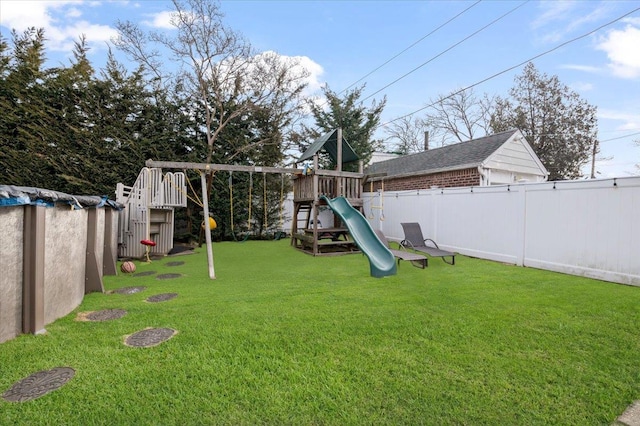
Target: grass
x=281 y=337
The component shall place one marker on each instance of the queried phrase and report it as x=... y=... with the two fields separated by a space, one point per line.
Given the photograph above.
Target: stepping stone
x=168 y=276
x=104 y=315
x=144 y=274
x=39 y=384
x=129 y=290
x=162 y=297
x=631 y=416
x=149 y=337
x=176 y=263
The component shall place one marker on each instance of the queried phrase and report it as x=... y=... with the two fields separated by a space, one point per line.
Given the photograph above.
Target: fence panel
x=587 y=228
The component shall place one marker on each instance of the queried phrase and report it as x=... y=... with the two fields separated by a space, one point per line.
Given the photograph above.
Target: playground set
x=149 y=203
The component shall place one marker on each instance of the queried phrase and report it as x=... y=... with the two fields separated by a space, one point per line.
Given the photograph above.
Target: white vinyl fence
x=588 y=228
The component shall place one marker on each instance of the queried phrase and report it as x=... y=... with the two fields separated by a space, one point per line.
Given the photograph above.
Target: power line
x=515 y=66
x=409 y=47
x=620 y=137
x=448 y=49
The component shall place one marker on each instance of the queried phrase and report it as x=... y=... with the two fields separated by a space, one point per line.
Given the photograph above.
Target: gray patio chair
x=414 y=240
x=416 y=259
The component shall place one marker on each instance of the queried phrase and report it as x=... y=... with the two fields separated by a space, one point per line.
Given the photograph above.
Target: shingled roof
x=458 y=156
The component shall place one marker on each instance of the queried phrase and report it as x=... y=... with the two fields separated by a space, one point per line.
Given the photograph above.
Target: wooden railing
x=329 y=186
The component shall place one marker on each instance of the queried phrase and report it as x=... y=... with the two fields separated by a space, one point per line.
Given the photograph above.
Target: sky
x=407 y=51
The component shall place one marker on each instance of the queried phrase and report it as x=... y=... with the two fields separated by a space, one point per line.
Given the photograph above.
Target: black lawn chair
x=416 y=259
x=414 y=240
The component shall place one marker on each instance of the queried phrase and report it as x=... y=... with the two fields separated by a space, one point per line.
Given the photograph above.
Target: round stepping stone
x=162 y=297
x=129 y=290
x=176 y=263
x=39 y=384
x=144 y=274
x=149 y=337
x=104 y=315
x=168 y=276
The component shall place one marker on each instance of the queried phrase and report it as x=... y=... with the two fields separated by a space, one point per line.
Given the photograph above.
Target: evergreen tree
x=26 y=116
x=358 y=122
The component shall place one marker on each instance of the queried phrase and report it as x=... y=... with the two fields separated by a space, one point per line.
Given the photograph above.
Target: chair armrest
x=399 y=244
x=433 y=242
x=406 y=244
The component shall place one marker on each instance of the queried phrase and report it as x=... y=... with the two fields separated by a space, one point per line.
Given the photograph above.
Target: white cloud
x=552 y=11
x=161 y=20
x=20 y=15
x=630 y=121
x=74 y=13
x=561 y=18
x=584 y=68
x=623 y=50
x=632 y=21
x=580 y=86
x=315 y=71
x=61 y=20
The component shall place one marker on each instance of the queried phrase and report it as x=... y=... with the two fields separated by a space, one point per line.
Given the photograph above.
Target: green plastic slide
x=381 y=260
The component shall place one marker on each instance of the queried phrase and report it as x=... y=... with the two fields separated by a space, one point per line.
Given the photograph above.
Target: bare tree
x=460 y=116
x=408 y=135
x=216 y=66
x=225 y=79
x=561 y=127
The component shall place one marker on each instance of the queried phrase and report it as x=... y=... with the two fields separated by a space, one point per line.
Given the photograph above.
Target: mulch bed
x=38 y=384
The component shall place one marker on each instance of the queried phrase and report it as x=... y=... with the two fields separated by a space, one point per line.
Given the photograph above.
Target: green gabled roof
x=329 y=142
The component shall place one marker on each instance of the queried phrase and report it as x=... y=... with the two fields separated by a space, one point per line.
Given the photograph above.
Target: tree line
x=203 y=94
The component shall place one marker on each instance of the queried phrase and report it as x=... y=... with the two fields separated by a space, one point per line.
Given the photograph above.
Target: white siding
x=513 y=162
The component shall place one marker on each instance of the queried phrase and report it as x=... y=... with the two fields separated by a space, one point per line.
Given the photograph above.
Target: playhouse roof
x=329 y=142
x=458 y=156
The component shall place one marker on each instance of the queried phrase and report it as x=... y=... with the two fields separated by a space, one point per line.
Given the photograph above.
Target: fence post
x=521 y=208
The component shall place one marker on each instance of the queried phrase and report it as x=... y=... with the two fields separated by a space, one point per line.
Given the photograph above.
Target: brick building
x=498 y=159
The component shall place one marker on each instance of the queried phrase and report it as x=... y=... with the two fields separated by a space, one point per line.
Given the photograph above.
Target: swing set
x=279 y=233
x=307 y=189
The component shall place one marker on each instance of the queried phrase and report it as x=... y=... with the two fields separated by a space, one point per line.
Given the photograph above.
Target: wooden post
x=339 y=192
x=93 y=270
x=110 y=253
x=316 y=200
x=33 y=270
x=207 y=227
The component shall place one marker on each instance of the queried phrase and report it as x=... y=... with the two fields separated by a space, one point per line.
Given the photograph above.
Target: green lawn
x=281 y=337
